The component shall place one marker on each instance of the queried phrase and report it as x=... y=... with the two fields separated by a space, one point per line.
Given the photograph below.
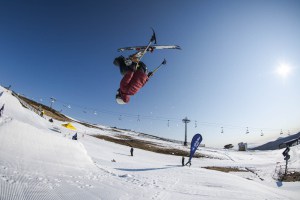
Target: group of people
x=189 y=163
x=135 y=76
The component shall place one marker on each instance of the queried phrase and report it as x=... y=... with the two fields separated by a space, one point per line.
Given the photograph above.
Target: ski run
x=39 y=160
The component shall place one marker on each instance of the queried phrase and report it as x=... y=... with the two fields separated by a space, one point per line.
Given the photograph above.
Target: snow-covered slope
x=39 y=163
x=271 y=145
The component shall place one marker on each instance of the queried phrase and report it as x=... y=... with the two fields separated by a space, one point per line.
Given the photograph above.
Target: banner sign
x=197 y=139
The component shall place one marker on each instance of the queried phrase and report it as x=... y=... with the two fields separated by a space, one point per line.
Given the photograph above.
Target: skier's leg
x=143 y=67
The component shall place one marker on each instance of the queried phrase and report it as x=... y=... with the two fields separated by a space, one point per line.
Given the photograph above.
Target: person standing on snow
x=135 y=76
x=42 y=113
x=74 y=137
x=131 y=151
x=2 y=110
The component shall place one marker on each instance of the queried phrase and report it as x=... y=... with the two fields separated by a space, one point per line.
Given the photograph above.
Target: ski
x=153 y=39
x=150 y=48
x=143 y=52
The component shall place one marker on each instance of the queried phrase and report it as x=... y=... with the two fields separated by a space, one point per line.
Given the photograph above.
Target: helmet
x=119 y=100
x=117 y=61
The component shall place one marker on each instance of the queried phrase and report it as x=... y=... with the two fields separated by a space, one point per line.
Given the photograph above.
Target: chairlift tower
x=185 y=120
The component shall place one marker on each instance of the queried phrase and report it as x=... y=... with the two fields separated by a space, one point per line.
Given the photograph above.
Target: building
x=242 y=146
x=290 y=143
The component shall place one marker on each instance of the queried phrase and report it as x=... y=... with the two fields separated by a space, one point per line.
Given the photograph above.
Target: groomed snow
x=37 y=162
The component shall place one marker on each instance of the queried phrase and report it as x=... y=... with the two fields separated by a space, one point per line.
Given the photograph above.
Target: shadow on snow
x=147 y=169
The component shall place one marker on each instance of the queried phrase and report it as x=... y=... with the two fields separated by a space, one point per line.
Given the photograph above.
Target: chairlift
x=120 y=117
x=222 y=131
x=52 y=99
x=168 y=123
x=68 y=106
x=261 y=133
x=138 y=119
x=281 y=132
x=247 y=131
x=195 y=123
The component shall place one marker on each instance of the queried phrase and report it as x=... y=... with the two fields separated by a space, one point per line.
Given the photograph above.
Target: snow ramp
x=34 y=159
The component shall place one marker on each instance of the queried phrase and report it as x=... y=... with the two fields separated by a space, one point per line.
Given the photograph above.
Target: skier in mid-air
x=134 y=71
x=135 y=75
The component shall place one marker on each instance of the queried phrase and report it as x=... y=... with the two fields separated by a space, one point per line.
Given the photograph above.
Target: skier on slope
x=135 y=75
x=131 y=151
x=74 y=137
x=2 y=110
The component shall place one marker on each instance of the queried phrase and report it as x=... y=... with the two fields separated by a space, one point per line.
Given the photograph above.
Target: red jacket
x=131 y=83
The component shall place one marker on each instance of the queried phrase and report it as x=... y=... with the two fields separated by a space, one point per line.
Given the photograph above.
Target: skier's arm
x=124 y=69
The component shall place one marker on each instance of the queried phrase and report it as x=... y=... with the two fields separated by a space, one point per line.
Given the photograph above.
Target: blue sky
x=226 y=74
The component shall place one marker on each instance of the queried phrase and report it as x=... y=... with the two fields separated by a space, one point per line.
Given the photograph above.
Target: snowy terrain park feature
x=39 y=160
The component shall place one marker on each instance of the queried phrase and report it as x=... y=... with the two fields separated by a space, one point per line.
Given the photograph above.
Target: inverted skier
x=135 y=76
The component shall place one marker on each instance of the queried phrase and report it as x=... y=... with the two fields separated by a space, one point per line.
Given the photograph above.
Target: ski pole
x=161 y=64
x=153 y=39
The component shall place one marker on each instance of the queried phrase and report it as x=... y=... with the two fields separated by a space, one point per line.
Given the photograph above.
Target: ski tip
x=164 y=62
x=178 y=47
x=153 y=38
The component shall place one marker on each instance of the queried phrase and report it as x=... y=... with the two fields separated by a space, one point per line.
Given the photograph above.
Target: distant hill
x=56 y=115
x=275 y=144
